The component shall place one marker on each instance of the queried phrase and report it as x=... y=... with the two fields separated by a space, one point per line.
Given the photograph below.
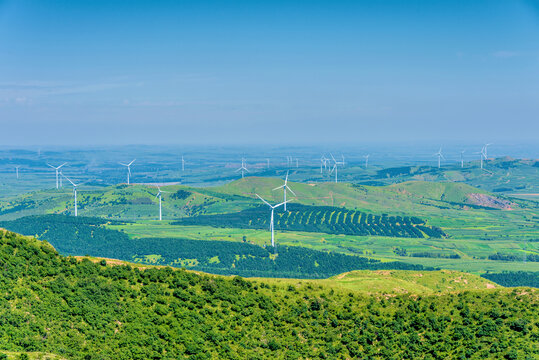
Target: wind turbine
x=74 y=192
x=272 y=207
x=183 y=164
x=324 y=163
x=462 y=158
x=483 y=155
x=57 y=172
x=440 y=157
x=285 y=187
x=267 y=164
x=366 y=160
x=17 y=171
x=128 y=169
x=336 y=166
x=243 y=168
x=159 y=192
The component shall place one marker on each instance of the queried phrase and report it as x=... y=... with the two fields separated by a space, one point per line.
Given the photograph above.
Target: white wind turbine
x=366 y=160
x=267 y=164
x=243 y=168
x=128 y=169
x=336 y=166
x=483 y=155
x=285 y=187
x=324 y=163
x=74 y=192
x=57 y=172
x=462 y=158
x=440 y=157
x=183 y=164
x=159 y=192
x=272 y=207
x=17 y=171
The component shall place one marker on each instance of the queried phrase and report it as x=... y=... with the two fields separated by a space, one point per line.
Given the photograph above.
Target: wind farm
x=269 y=180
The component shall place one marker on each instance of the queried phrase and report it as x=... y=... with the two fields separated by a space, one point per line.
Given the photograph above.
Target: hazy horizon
x=90 y=73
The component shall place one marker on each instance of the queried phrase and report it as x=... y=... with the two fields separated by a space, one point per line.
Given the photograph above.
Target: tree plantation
x=331 y=220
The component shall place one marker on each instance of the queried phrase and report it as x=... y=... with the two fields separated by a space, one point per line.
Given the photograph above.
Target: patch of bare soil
x=490 y=201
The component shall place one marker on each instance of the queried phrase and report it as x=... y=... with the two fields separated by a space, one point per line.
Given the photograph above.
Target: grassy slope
x=369 y=281
x=399 y=282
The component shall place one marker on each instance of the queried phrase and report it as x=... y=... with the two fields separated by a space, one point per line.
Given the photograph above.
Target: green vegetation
x=87 y=310
x=391 y=282
x=514 y=278
x=86 y=236
x=325 y=219
x=476 y=224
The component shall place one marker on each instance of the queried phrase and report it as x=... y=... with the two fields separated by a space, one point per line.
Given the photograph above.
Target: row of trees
x=326 y=219
x=514 y=257
x=86 y=310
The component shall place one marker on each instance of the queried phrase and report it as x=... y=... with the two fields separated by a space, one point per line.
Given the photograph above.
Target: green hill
x=461 y=227
x=80 y=309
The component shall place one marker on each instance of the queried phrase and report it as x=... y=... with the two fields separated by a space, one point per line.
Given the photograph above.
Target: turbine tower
x=366 y=160
x=285 y=187
x=57 y=172
x=267 y=164
x=128 y=169
x=159 y=192
x=272 y=207
x=462 y=158
x=336 y=166
x=17 y=171
x=243 y=168
x=183 y=164
x=440 y=157
x=74 y=192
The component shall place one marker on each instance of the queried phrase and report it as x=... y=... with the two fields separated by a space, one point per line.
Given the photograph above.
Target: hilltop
x=82 y=309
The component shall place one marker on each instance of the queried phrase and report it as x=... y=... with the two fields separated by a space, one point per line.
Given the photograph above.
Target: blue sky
x=104 y=72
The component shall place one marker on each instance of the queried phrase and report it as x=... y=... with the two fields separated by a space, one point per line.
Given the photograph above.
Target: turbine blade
x=72 y=183
x=288 y=188
x=284 y=202
x=277 y=188
x=260 y=197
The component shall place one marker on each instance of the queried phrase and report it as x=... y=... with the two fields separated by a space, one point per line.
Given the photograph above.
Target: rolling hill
x=78 y=308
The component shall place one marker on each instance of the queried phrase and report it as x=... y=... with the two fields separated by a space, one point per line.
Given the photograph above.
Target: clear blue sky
x=102 y=72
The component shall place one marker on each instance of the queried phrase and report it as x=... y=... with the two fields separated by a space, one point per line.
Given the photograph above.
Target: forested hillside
x=85 y=310
x=85 y=236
